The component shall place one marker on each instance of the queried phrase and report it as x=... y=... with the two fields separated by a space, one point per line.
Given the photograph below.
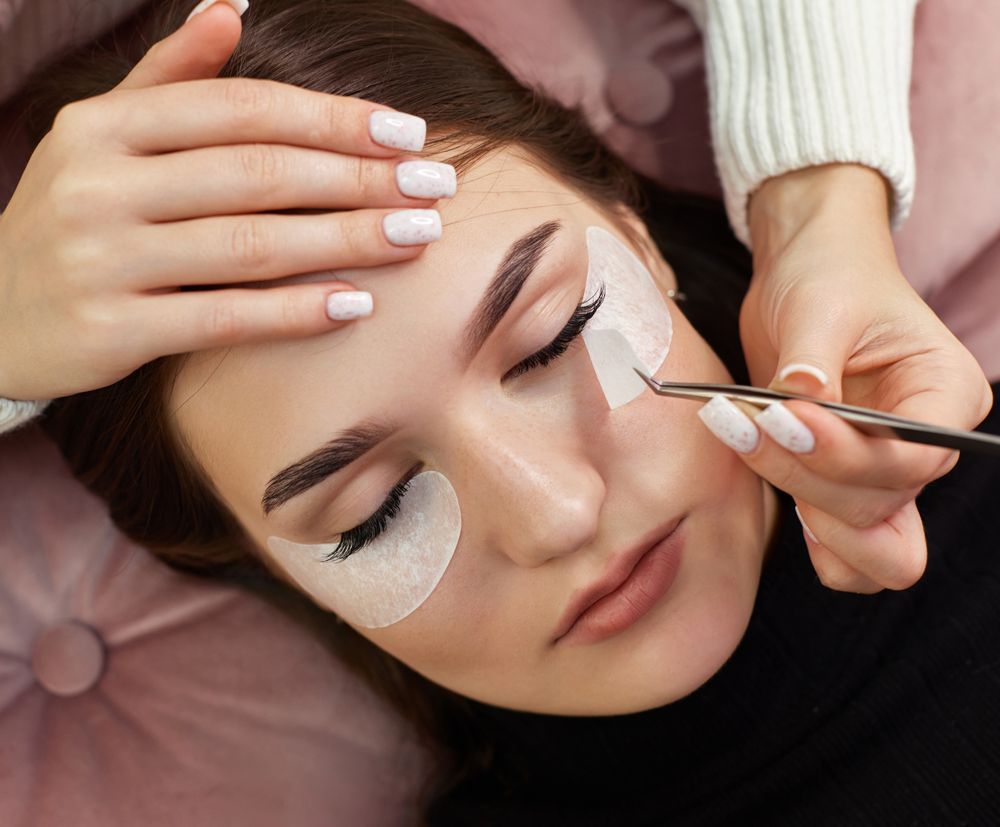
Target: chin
x=680 y=645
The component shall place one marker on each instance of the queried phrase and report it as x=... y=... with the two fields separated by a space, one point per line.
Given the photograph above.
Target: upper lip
x=615 y=573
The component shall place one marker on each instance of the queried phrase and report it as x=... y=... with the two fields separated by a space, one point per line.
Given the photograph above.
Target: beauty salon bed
x=134 y=694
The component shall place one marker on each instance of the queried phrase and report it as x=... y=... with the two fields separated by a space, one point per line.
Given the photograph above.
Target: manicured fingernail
x=240 y=6
x=800 y=367
x=397 y=130
x=730 y=424
x=786 y=428
x=426 y=179
x=406 y=227
x=806 y=528
x=348 y=304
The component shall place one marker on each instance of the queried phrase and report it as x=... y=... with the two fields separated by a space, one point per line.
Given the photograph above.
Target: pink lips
x=635 y=579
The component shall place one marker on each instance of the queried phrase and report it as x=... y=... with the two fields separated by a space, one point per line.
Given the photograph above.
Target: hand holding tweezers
x=866 y=420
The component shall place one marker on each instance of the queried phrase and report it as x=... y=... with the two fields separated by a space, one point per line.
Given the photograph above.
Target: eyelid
x=579 y=319
x=337 y=539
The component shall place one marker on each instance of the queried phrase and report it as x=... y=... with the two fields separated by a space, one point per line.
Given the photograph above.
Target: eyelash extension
x=558 y=346
x=359 y=537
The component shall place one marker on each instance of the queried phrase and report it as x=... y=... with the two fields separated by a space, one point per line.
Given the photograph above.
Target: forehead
x=249 y=410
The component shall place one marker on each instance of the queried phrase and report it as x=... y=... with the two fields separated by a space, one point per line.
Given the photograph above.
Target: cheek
x=387 y=580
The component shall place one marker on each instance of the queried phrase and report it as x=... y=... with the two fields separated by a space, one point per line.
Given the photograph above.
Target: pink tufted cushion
x=209 y=708
x=949 y=247
x=35 y=31
x=634 y=67
x=132 y=694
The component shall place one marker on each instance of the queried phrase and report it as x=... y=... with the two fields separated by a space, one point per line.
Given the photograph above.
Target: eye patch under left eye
x=390 y=578
x=632 y=326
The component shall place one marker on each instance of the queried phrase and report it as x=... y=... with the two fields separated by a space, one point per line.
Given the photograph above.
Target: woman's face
x=553 y=489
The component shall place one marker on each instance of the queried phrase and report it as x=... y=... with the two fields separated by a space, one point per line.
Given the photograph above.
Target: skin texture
x=161 y=163
x=551 y=483
x=827 y=292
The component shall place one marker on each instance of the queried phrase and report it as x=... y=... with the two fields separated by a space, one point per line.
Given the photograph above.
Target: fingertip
x=823 y=423
x=837 y=575
x=412 y=227
x=803 y=370
x=187 y=54
x=785 y=428
x=805 y=379
x=805 y=528
x=347 y=305
x=239 y=6
x=729 y=424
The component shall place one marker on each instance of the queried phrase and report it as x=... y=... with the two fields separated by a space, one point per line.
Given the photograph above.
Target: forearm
x=798 y=83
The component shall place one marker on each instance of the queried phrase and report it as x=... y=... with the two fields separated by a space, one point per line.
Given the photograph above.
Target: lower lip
x=651 y=578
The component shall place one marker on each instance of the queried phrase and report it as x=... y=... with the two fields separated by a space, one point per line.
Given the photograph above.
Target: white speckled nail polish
x=348 y=304
x=786 y=428
x=730 y=424
x=397 y=130
x=407 y=227
x=426 y=179
x=240 y=6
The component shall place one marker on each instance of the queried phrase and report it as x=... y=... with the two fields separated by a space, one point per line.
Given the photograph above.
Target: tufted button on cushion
x=68 y=658
x=639 y=92
x=131 y=693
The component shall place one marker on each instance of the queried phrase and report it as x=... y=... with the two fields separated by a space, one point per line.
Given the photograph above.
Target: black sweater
x=835 y=709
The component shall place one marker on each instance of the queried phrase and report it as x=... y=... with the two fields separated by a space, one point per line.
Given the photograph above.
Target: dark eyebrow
x=518 y=264
x=311 y=470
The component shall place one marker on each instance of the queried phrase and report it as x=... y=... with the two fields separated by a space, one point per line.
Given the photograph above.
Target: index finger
x=846 y=455
x=214 y=111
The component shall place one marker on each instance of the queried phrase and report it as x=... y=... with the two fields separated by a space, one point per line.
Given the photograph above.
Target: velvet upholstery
x=130 y=694
x=133 y=694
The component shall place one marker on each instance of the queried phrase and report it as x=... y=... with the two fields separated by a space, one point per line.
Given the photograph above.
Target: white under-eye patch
x=392 y=576
x=613 y=360
x=634 y=308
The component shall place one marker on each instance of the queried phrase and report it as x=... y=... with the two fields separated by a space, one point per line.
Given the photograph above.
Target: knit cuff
x=16 y=412
x=797 y=83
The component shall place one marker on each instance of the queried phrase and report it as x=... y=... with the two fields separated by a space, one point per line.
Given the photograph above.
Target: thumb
x=197 y=50
x=812 y=354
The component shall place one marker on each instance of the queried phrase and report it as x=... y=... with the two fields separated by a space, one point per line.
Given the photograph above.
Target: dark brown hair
x=118 y=439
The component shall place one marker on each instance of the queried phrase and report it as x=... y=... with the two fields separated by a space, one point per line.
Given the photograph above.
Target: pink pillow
x=134 y=694
x=949 y=247
x=8 y=8
x=635 y=68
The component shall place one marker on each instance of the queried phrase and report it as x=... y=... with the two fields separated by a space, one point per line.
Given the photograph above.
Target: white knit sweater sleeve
x=15 y=412
x=796 y=83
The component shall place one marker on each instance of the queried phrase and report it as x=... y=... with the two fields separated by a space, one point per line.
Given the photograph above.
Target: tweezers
x=866 y=420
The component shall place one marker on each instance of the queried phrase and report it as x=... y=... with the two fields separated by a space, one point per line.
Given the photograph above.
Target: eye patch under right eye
x=392 y=576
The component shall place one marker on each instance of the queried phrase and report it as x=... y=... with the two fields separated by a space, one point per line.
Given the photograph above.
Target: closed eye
x=355 y=539
x=348 y=542
x=557 y=347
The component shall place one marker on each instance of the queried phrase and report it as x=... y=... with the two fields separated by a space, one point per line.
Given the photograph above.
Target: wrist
x=839 y=195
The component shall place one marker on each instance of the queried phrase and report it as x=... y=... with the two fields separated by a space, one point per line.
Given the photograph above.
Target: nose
x=535 y=495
